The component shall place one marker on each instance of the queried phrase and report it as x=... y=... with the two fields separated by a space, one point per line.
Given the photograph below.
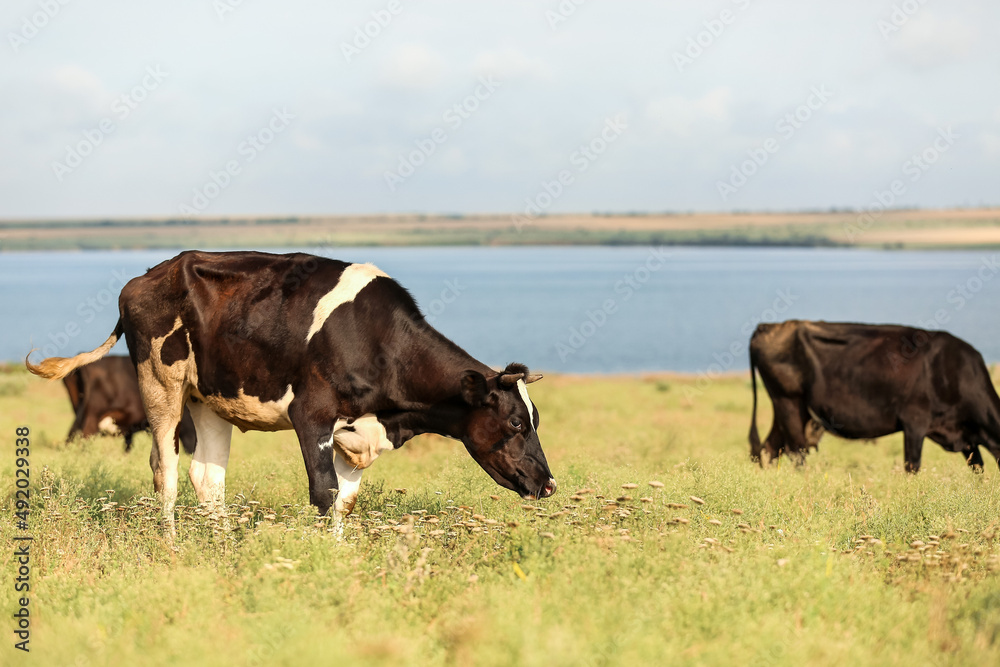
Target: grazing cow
x=105 y=398
x=863 y=381
x=338 y=352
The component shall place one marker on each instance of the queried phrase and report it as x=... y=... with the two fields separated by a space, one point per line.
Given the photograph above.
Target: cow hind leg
x=788 y=434
x=164 y=402
x=211 y=456
x=773 y=444
x=163 y=460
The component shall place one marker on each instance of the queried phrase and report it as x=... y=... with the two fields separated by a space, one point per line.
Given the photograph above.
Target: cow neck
x=433 y=376
x=435 y=367
x=448 y=419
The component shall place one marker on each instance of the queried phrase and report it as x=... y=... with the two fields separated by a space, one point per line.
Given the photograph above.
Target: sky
x=122 y=108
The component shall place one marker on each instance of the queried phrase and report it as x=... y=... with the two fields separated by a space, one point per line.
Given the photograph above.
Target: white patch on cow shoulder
x=251 y=411
x=523 y=390
x=108 y=425
x=354 y=278
x=360 y=441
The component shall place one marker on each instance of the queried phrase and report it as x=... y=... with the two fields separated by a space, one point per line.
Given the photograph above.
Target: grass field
x=784 y=566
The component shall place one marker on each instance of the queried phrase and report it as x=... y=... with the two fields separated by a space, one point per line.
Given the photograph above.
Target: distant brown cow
x=863 y=381
x=106 y=394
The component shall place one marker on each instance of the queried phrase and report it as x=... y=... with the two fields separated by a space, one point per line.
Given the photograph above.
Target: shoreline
x=898 y=229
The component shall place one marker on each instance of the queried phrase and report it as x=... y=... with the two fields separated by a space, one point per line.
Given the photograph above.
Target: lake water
x=580 y=310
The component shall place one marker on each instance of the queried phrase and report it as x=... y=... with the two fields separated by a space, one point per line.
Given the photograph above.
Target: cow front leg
x=316 y=442
x=913 y=445
x=348 y=483
x=973 y=458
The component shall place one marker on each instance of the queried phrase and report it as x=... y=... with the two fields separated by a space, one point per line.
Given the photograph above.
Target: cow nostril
x=549 y=488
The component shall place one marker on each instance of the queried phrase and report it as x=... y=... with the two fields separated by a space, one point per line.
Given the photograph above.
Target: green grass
x=418 y=580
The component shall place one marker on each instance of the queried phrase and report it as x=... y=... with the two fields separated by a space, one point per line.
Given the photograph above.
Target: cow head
x=501 y=431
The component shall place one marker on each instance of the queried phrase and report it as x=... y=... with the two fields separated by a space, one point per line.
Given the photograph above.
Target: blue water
x=594 y=309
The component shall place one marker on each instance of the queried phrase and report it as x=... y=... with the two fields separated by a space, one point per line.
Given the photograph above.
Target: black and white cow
x=338 y=352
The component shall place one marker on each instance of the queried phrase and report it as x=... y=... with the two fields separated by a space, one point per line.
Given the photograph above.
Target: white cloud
x=990 y=141
x=453 y=160
x=78 y=86
x=928 y=40
x=682 y=116
x=413 y=66
x=510 y=64
x=308 y=141
x=74 y=78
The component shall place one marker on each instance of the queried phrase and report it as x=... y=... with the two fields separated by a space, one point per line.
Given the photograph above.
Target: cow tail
x=56 y=368
x=754 y=435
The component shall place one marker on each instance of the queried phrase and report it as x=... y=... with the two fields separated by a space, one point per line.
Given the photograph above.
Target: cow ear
x=474 y=389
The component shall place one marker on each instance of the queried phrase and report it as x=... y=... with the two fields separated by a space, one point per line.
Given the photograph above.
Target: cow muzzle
x=547 y=490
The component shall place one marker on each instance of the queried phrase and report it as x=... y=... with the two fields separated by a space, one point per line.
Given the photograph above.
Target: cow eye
x=515 y=423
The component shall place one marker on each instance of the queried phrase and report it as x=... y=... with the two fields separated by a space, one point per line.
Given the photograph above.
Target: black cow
x=338 y=352
x=863 y=381
x=105 y=398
